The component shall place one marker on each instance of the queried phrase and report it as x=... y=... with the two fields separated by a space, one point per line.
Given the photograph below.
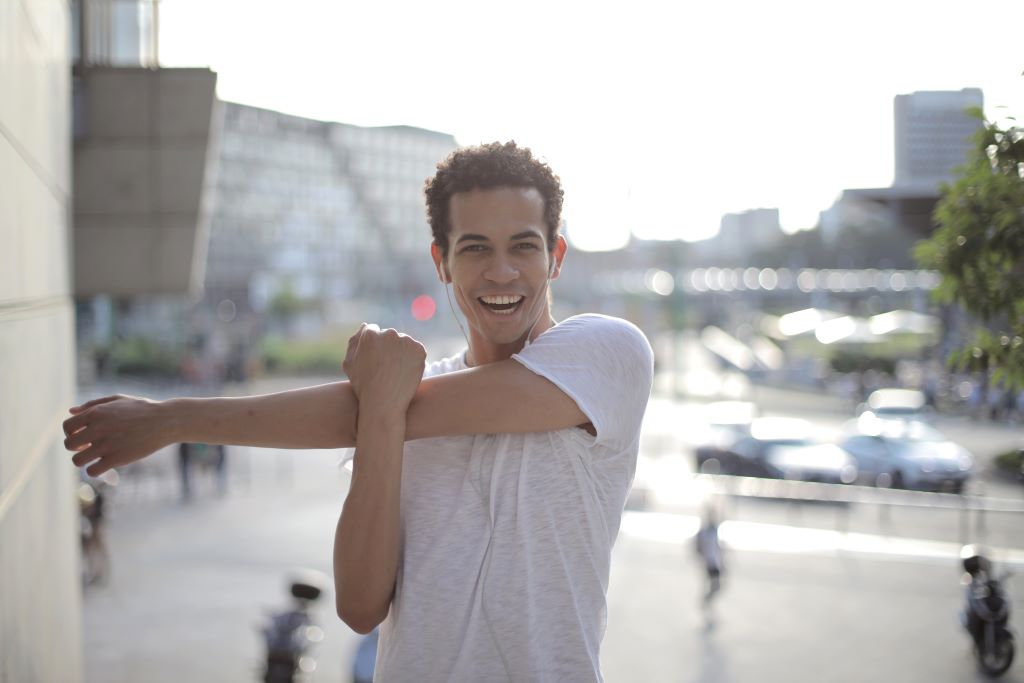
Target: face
x=499 y=262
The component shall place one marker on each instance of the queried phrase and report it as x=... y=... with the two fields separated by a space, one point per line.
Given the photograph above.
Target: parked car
x=786 y=448
x=907 y=454
x=822 y=462
x=727 y=422
x=899 y=404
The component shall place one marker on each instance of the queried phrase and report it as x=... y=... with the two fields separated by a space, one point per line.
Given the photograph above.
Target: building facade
x=933 y=135
x=40 y=589
x=321 y=211
x=740 y=236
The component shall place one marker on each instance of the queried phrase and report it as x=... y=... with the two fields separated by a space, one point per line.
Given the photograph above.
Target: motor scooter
x=93 y=496
x=290 y=634
x=986 y=614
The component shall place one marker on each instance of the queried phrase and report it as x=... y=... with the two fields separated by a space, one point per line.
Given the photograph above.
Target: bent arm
x=497 y=398
x=367 y=538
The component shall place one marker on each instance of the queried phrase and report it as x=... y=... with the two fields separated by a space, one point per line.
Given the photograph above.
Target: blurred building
x=40 y=592
x=933 y=136
x=319 y=211
x=740 y=236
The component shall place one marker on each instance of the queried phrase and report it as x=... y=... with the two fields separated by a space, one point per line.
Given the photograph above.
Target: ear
x=438 y=256
x=558 y=253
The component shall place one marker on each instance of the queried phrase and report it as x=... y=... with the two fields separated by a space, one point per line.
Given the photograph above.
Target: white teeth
x=501 y=300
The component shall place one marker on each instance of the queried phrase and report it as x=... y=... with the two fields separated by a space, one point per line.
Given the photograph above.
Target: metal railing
x=786 y=489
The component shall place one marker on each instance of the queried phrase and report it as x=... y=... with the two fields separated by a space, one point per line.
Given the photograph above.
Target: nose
x=501 y=271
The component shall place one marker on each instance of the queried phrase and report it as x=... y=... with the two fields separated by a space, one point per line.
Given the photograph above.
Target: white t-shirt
x=507 y=538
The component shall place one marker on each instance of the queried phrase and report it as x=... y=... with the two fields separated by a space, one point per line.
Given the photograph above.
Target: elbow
x=361 y=619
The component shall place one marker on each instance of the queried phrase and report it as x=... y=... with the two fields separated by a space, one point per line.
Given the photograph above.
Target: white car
x=902 y=404
x=907 y=454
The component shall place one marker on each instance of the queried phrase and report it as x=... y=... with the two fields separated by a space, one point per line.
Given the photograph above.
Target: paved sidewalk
x=191 y=584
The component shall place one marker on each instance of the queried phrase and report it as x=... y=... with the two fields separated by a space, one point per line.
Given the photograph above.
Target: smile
x=502 y=304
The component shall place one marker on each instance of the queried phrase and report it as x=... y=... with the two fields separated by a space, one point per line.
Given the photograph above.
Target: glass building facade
x=325 y=211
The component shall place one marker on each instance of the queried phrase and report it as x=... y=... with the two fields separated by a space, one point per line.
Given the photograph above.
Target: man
x=486 y=490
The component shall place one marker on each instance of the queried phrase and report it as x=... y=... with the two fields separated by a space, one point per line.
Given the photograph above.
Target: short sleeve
x=605 y=365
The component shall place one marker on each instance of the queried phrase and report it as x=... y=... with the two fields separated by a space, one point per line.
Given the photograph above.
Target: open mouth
x=502 y=304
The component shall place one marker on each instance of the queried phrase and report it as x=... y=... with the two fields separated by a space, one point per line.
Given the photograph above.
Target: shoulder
x=591 y=343
x=597 y=323
x=597 y=331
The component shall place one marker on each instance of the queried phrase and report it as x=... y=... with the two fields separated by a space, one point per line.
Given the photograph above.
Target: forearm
x=322 y=416
x=367 y=539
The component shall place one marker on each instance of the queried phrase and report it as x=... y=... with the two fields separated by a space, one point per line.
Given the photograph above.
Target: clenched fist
x=384 y=366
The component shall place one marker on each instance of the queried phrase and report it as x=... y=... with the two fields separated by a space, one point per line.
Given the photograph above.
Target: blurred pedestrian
x=202 y=457
x=185 y=470
x=220 y=466
x=710 y=551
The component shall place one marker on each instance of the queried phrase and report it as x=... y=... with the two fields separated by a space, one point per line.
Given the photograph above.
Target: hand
x=114 y=431
x=384 y=366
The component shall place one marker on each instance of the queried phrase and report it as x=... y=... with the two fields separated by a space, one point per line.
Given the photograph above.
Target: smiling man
x=487 y=488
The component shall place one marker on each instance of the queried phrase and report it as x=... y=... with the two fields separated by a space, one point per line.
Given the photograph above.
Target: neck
x=483 y=351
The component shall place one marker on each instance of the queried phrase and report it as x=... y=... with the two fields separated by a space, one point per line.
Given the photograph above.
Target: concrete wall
x=40 y=594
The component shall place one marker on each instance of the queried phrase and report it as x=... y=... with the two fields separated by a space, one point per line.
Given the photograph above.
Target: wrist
x=383 y=415
x=384 y=404
x=170 y=420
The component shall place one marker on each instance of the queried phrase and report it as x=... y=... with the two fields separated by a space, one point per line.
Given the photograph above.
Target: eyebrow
x=473 y=237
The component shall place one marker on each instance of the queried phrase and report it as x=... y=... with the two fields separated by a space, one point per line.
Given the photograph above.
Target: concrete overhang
x=909 y=207
x=143 y=144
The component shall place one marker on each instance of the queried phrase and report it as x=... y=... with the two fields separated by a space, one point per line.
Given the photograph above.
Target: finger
x=84 y=457
x=97 y=468
x=74 y=424
x=77 y=442
x=93 y=402
x=79 y=437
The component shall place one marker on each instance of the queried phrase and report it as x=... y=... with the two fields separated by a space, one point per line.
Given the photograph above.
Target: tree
x=978 y=247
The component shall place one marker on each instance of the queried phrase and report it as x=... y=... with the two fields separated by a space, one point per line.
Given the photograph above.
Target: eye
x=527 y=245
x=473 y=247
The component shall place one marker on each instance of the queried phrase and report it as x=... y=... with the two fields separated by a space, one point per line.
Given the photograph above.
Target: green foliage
x=305 y=357
x=1011 y=462
x=140 y=356
x=978 y=247
x=845 y=361
x=285 y=304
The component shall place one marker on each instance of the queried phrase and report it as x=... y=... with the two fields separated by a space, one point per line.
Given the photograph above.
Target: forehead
x=497 y=211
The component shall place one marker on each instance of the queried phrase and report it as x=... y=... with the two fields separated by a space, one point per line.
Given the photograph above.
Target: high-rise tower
x=933 y=135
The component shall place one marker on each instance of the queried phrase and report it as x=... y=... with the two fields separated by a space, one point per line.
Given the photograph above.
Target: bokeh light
x=423 y=307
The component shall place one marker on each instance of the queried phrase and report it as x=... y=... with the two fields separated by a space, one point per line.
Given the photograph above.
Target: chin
x=502 y=336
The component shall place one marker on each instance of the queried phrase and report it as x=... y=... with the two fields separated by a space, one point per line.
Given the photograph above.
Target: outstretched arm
x=116 y=430
x=497 y=398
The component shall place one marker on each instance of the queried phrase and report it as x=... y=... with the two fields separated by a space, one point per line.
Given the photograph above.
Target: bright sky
x=658 y=116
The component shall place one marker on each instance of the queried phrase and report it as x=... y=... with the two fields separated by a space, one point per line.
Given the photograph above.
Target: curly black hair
x=485 y=167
